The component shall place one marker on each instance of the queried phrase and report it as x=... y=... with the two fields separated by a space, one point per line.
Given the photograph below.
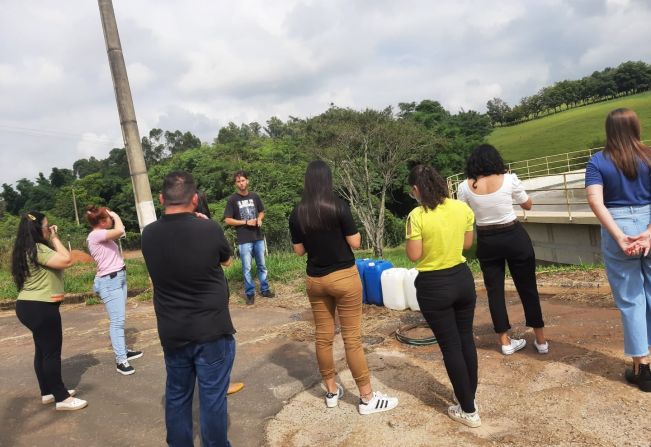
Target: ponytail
x=432 y=188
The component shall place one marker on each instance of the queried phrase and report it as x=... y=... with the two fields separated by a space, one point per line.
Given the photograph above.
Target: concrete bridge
x=561 y=225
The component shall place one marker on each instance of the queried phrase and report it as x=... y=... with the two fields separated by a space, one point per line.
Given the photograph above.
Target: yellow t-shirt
x=442 y=231
x=43 y=283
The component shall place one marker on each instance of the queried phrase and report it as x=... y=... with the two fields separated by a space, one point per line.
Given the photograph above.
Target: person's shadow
x=19 y=409
x=300 y=363
x=73 y=368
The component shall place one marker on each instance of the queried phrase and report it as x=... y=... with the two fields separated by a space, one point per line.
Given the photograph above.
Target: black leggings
x=510 y=245
x=44 y=320
x=447 y=300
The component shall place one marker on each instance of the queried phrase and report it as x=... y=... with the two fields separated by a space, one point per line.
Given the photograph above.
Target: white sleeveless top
x=497 y=207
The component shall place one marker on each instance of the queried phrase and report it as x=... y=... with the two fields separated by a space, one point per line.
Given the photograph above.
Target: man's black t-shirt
x=327 y=250
x=183 y=255
x=245 y=207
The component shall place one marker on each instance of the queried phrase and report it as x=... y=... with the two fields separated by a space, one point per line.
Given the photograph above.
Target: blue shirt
x=618 y=189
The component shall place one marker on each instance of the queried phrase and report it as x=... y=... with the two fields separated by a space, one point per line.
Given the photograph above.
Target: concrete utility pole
x=130 y=134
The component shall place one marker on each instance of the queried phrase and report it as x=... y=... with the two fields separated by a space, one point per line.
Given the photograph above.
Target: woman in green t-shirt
x=438 y=230
x=38 y=261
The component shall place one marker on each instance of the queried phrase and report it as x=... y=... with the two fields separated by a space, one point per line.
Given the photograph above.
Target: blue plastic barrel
x=372 y=283
x=362 y=264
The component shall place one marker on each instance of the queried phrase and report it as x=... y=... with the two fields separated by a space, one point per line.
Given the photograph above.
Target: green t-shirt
x=43 y=283
x=442 y=231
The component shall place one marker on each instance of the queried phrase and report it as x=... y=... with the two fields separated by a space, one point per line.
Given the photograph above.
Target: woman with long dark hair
x=618 y=186
x=111 y=280
x=322 y=226
x=438 y=231
x=491 y=190
x=38 y=260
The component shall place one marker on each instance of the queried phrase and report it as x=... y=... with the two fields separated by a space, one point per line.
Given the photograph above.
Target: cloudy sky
x=198 y=64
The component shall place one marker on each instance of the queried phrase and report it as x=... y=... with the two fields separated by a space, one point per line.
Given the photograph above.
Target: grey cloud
x=215 y=62
x=178 y=118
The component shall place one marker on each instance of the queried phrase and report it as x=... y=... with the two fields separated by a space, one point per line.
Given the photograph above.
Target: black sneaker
x=131 y=355
x=124 y=368
x=268 y=294
x=642 y=379
x=250 y=299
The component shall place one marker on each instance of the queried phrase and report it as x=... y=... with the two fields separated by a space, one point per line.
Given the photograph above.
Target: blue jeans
x=247 y=252
x=113 y=293
x=630 y=279
x=211 y=363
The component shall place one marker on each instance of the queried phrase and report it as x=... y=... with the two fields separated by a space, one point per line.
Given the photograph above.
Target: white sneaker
x=49 y=398
x=70 y=404
x=515 y=345
x=332 y=399
x=379 y=402
x=470 y=419
x=543 y=348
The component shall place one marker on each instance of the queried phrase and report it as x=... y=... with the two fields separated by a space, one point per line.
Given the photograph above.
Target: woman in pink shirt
x=111 y=279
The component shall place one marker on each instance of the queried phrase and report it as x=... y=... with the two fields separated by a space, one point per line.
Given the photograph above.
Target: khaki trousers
x=341 y=290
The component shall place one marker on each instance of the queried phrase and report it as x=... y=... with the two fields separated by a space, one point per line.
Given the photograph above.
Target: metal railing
x=567 y=201
x=563 y=170
x=539 y=167
x=570 y=164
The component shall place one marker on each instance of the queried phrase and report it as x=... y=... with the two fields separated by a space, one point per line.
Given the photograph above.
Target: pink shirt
x=105 y=252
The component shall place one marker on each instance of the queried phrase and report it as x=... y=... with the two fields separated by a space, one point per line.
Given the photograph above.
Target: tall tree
x=13 y=200
x=61 y=177
x=497 y=109
x=366 y=150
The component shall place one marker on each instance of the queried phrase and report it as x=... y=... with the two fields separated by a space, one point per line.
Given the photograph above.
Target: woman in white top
x=491 y=190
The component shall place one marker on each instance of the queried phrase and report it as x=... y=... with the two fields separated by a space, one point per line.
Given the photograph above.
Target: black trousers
x=447 y=300
x=44 y=320
x=512 y=246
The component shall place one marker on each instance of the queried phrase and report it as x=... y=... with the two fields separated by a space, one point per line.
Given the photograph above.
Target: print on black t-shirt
x=247 y=209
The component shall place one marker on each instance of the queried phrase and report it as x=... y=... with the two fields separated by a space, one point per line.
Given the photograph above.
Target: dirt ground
x=574 y=396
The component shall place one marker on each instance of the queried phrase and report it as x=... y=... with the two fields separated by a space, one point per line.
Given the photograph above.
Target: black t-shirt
x=183 y=255
x=327 y=250
x=245 y=208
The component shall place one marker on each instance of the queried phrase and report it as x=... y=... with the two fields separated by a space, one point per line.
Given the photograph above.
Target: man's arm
x=238 y=223
x=229 y=216
x=260 y=207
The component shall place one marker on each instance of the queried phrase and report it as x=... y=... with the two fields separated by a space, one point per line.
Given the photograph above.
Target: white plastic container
x=410 y=289
x=393 y=292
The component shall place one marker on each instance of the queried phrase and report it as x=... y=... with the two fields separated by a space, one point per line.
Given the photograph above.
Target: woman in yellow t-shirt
x=37 y=263
x=437 y=232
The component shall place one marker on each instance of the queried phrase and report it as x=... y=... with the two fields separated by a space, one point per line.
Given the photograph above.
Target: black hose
x=402 y=338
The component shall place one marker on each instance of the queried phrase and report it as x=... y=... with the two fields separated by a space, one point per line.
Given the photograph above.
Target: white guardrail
x=555 y=182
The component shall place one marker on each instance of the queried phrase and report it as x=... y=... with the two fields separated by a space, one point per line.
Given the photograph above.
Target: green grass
x=283 y=267
x=568 y=131
x=79 y=279
x=7 y=287
x=398 y=257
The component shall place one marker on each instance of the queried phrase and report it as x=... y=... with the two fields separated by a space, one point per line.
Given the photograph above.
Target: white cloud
x=93 y=145
x=197 y=65
x=140 y=76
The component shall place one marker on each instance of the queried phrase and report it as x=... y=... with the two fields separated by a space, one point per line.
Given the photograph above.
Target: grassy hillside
x=572 y=130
